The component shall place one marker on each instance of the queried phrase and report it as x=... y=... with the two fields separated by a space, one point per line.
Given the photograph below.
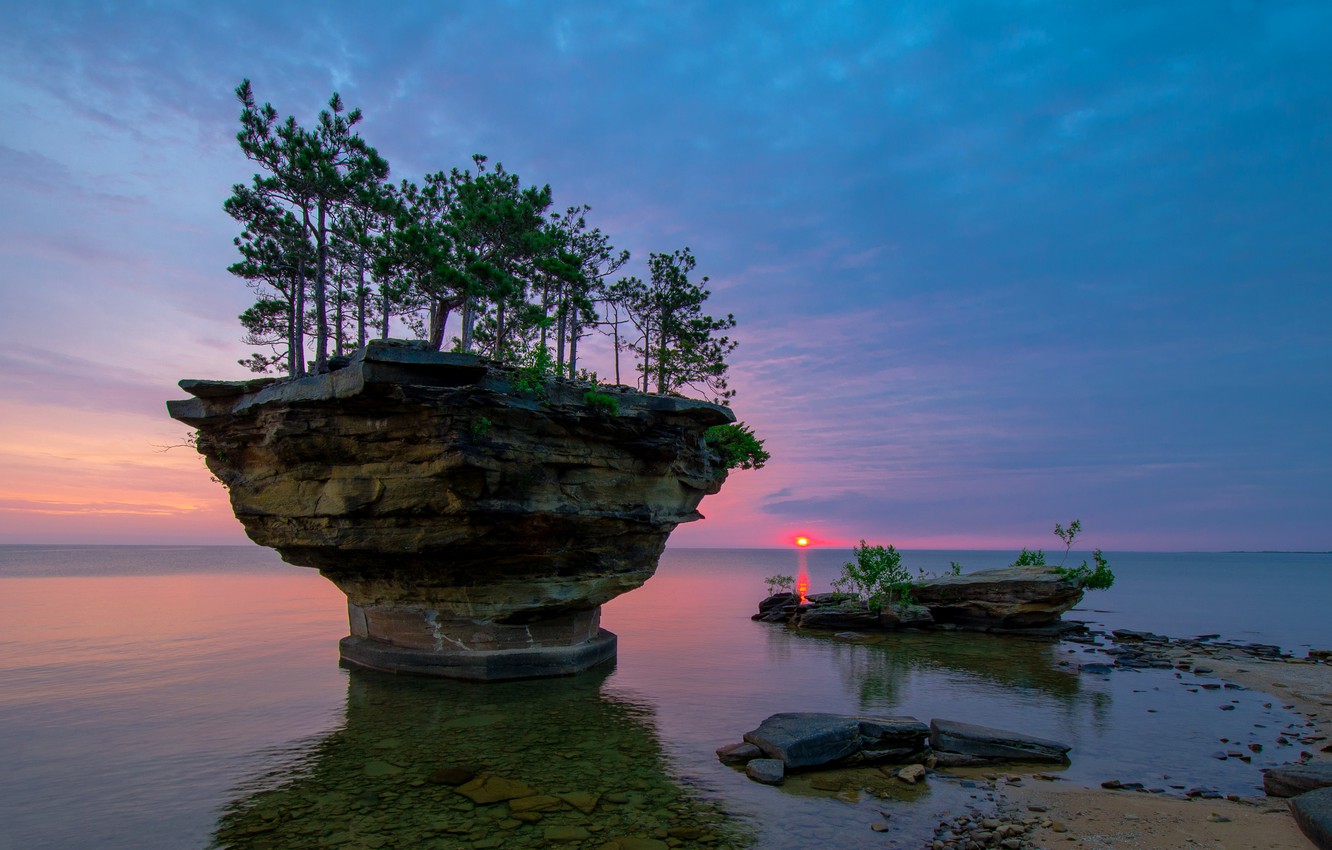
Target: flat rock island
x=476 y=518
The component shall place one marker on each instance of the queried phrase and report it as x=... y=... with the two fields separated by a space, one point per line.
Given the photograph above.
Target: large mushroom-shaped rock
x=475 y=526
x=1009 y=597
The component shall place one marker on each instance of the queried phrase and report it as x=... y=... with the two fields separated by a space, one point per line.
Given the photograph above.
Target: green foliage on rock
x=534 y=369
x=334 y=252
x=779 y=584
x=1098 y=577
x=1030 y=558
x=601 y=403
x=1090 y=578
x=480 y=428
x=737 y=445
x=876 y=575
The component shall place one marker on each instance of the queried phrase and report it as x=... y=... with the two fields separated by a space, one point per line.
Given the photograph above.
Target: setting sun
x=802 y=541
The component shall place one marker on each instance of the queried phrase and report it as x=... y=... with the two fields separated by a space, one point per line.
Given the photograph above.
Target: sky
x=995 y=265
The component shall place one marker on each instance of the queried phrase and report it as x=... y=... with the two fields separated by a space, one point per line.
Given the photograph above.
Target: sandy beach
x=1096 y=819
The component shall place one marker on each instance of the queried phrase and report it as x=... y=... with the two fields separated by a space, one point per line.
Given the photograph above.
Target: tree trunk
x=573 y=349
x=292 y=338
x=661 y=355
x=469 y=323
x=300 y=324
x=439 y=316
x=362 y=295
x=321 y=291
x=339 y=308
x=545 y=306
x=647 y=355
x=384 y=306
x=559 y=336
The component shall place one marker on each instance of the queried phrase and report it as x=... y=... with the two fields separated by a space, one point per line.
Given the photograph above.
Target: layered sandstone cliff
x=475 y=527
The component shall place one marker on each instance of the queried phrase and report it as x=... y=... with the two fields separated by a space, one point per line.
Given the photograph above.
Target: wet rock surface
x=983 y=742
x=808 y=740
x=461 y=516
x=812 y=741
x=1313 y=812
x=1293 y=779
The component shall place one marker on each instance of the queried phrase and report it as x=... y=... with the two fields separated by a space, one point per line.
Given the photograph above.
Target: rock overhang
x=430 y=488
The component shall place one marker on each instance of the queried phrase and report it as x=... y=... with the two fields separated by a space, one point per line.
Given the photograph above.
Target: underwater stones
x=634 y=843
x=377 y=768
x=475 y=529
x=990 y=744
x=583 y=801
x=536 y=803
x=451 y=776
x=487 y=788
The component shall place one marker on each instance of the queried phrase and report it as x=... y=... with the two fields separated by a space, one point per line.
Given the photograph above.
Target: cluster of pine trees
x=336 y=253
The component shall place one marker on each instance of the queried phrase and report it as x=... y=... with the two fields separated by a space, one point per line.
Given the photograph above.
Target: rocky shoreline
x=1011 y=814
x=1026 y=600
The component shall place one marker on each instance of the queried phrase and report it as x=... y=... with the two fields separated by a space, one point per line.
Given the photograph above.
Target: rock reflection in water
x=883 y=662
x=382 y=779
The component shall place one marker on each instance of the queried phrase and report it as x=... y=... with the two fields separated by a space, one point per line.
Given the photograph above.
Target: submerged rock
x=475 y=528
x=950 y=736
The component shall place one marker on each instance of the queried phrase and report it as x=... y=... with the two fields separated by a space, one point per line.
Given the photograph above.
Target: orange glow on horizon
x=802 y=542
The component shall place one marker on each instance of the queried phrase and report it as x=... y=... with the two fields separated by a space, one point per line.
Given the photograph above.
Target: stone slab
x=767 y=771
x=479 y=665
x=805 y=740
x=994 y=744
x=1313 y=813
x=1289 y=780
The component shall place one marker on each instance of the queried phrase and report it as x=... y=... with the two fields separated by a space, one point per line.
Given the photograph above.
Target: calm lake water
x=174 y=697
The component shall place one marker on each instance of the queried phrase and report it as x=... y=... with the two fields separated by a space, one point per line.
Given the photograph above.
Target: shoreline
x=1081 y=818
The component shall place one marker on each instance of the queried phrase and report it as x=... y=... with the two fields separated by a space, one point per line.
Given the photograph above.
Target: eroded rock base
x=483 y=665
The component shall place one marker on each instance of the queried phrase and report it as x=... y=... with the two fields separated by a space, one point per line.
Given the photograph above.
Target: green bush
x=737 y=446
x=1030 y=559
x=1088 y=578
x=535 y=367
x=602 y=403
x=780 y=584
x=876 y=575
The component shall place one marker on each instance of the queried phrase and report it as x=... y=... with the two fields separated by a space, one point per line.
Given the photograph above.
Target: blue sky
x=995 y=265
